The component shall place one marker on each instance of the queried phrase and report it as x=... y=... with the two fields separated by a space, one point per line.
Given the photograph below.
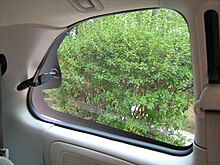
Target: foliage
x=131 y=71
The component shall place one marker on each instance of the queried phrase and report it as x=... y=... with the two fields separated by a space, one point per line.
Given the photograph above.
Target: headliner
x=60 y=13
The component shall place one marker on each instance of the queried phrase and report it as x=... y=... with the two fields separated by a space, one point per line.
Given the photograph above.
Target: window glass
x=130 y=71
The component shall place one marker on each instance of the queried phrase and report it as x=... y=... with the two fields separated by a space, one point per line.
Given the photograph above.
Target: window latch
x=41 y=79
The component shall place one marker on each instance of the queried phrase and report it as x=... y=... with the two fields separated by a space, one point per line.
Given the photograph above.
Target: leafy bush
x=131 y=71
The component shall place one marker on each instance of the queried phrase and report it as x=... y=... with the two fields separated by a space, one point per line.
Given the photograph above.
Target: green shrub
x=131 y=71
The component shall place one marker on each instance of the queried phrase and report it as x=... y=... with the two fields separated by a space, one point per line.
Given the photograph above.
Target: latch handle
x=41 y=79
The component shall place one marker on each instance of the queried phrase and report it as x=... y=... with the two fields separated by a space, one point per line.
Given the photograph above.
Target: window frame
x=41 y=111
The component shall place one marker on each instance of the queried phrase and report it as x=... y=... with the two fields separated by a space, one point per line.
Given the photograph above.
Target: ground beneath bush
x=188 y=131
x=191 y=126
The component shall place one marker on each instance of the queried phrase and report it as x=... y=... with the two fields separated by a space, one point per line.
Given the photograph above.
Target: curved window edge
x=147 y=144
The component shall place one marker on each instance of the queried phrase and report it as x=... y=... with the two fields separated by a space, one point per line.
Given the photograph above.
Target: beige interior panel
x=213 y=136
x=67 y=154
x=25 y=42
x=60 y=143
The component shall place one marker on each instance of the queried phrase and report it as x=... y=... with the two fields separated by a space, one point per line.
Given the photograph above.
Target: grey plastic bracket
x=209 y=99
x=5 y=152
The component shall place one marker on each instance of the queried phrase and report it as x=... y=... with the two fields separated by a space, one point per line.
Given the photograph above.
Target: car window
x=130 y=71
